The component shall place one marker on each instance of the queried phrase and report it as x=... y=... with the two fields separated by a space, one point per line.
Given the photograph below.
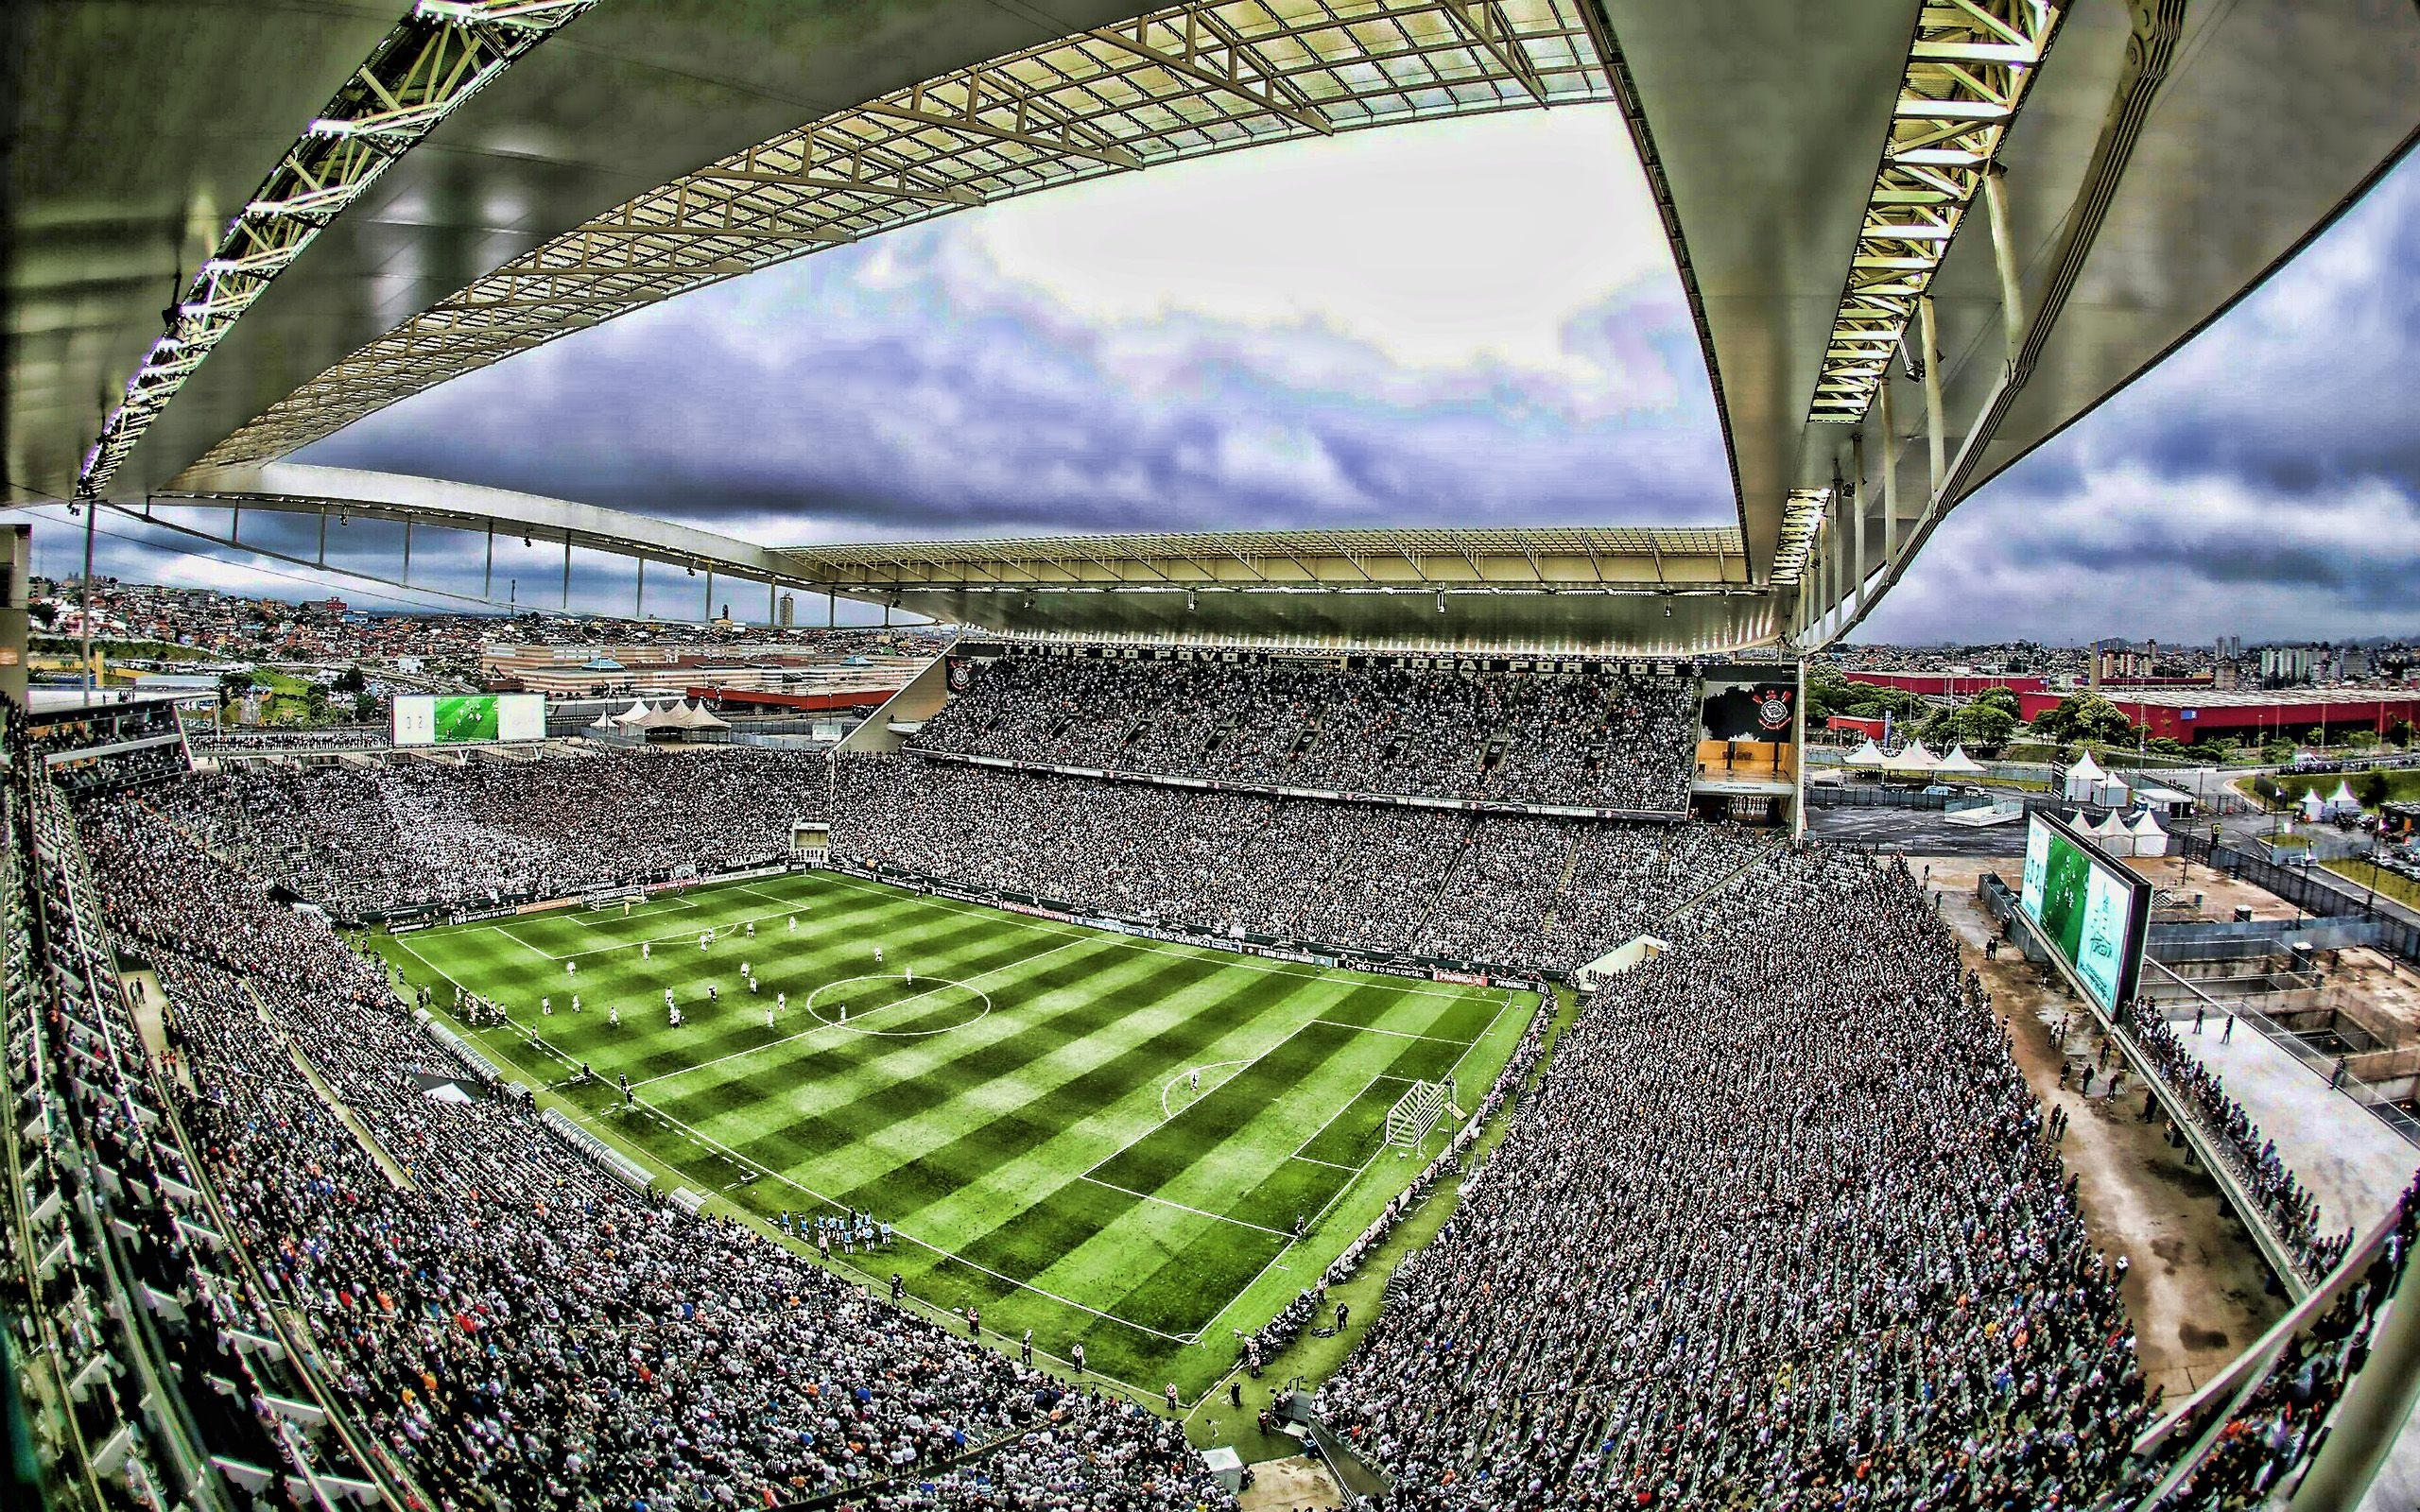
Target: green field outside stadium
x=1023 y=1111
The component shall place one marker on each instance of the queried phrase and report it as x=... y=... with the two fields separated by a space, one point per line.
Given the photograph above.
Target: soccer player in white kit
x=547 y=1007
x=646 y=951
x=769 y=1016
x=911 y=976
x=571 y=968
x=574 y=1003
x=614 y=1014
x=877 y=955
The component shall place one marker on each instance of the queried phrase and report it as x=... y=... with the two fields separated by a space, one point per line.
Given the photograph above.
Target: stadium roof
x=1918 y=238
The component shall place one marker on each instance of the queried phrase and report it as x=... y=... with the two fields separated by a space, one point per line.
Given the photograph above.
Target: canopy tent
x=1959 y=763
x=2111 y=828
x=2342 y=800
x=662 y=718
x=636 y=713
x=1868 y=754
x=689 y=716
x=2149 y=838
x=1912 y=758
x=2309 y=807
x=2084 y=782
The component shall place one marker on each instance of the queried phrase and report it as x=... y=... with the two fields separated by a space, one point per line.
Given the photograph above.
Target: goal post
x=608 y=897
x=1417 y=1111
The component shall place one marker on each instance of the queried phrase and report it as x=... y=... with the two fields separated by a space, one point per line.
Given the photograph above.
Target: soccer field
x=1023 y=1111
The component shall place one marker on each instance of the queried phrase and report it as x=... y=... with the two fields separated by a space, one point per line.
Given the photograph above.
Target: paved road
x=1915 y=832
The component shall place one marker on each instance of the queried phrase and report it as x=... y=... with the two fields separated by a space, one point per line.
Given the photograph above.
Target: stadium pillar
x=1857 y=527
x=566 y=572
x=16 y=574
x=1890 y=476
x=91 y=521
x=1930 y=336
x=2004 y=256
x=708 y=616
x=638 y=594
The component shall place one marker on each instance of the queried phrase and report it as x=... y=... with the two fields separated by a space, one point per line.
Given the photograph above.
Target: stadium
x=1340 y=1015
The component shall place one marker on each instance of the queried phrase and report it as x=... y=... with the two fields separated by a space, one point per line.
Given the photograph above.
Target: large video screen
x=2092 y=909
x=471 y=719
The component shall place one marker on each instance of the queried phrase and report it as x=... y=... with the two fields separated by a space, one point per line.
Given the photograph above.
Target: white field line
x=1208 y=1065
x=1199 y=1213
x=1396 y=1034
x=1077 y=934
x=714 y=1146
x=825 y=1024
x=1237 y=959
x=725 y=934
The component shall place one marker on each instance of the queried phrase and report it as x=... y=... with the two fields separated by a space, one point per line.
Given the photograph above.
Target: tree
x=1984 y=727
x=2166 y=745
x=234 y=685
x=45 y=612
x=2373 y=791
x=2002 y=698
x=2398 y=732
x=365 y=707
x=2086 y=716
x=2219 y=752
x=351 y=680
x=2362 y=740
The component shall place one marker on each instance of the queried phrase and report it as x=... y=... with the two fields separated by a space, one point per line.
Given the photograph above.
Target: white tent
x=632 y=715
x=2342 y=800
x=663 y=718
x=1959 y=763
x=2150 y=840
x=1868 y=754
x=692 y=716
x=2083 y=780
x=2111 y=828
x=1912 y=758
x=2310 y=808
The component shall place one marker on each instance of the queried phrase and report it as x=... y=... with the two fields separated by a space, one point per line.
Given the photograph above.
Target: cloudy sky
x=1469 y=322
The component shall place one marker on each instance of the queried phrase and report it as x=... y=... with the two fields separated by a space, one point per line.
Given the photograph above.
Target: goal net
x=1417 y=1111
x=613 y=897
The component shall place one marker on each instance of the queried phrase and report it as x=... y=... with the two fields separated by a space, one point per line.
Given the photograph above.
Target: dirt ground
x=2195 y=1287
x=1291 y=1486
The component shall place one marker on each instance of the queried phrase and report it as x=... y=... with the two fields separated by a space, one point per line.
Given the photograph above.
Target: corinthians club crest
x=961 y=675
x=1773 y=708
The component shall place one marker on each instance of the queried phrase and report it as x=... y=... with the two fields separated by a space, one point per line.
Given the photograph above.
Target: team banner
x=1758 y=710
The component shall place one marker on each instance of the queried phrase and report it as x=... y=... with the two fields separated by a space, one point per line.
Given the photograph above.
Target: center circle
x=934 y=1005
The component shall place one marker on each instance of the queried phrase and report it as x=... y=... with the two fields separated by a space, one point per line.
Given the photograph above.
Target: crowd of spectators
x=361 y=840
x=2292 y=1211
x=1526 y=894
x=236 y=740
x=1594 y=740
x=1781 y=1228
x=520 y=1330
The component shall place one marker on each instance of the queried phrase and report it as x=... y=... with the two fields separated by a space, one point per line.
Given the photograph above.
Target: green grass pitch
x=1023 y=1111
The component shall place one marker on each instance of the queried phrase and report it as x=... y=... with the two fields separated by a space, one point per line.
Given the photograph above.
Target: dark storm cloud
x=2264 y=481
x=928 y=395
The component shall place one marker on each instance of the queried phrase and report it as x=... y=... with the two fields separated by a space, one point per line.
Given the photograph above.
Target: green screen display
x=2085 y=906
x=426 y=719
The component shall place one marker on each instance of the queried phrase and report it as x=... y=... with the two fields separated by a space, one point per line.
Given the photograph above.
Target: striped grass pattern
x=1016 y=1096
